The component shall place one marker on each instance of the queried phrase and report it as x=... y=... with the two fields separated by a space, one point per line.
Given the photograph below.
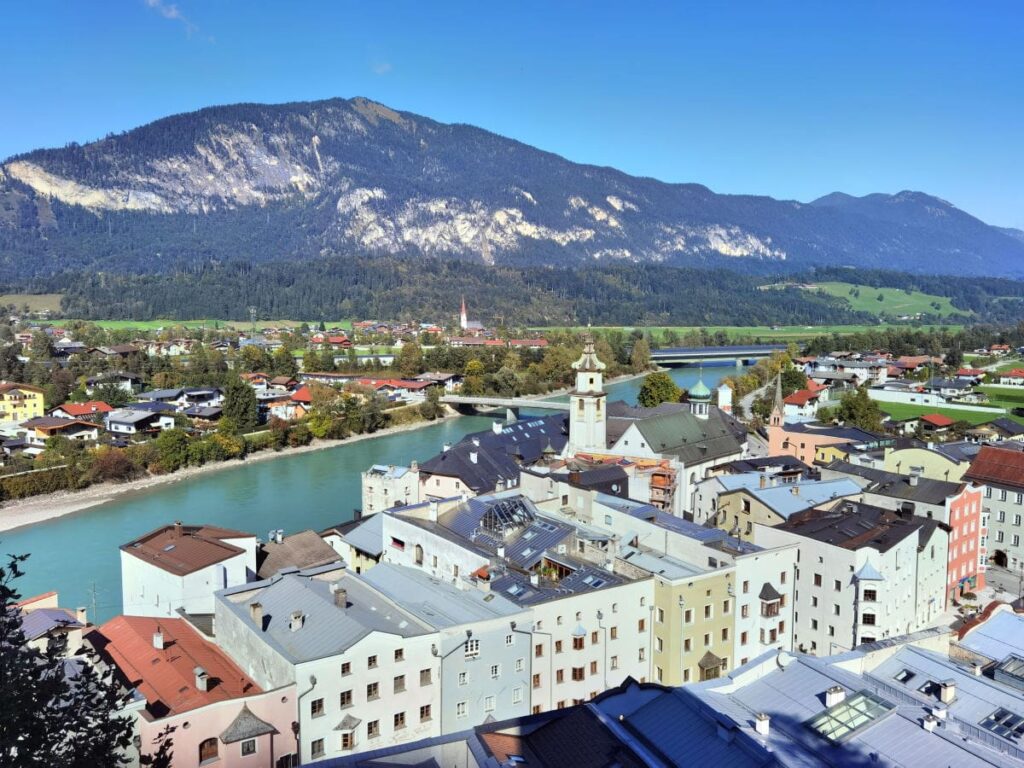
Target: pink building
x=967 y=553
x=192 y=699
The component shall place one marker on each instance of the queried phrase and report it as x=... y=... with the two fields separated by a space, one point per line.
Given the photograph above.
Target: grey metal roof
x=793 y=695
x=438 y=603
x=789 y=498
x=997 y=637
x=367 y=536
x=161 y=394
x=326 y=629
x=129 y=416
x=39 y=622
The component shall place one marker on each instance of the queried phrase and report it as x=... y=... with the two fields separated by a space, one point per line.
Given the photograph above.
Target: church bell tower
x=587 y=413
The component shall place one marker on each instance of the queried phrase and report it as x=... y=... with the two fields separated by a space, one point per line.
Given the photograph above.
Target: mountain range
x=353 y=178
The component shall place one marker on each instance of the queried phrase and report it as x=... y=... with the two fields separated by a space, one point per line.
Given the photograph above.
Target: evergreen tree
x=240 y=405
x=658 y=388
x=409 y=360
x=54 y=710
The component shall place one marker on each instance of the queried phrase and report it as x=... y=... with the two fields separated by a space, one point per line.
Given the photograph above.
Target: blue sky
x=789 y=99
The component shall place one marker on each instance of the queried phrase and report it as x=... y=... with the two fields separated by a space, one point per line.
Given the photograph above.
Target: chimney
x=534 y=580
x=158 y=639
x=764 y=481
x=414 y=466
x=499 y=485
x=496 y=428
x=447 y=447
x=177 y=529
x=947 y=691
x=279 y=536
x=82 y=616
x=940 y=711
x=256 y=613
x=340 y=597
x=296 y=621
x=501 y=551
x=476 y=441
x=976 y=668
x=835 y=695
x=762 y=723
x=202 y=679
x=930 y=721
x=795 y=490
x=433 y=510
x=473 y=456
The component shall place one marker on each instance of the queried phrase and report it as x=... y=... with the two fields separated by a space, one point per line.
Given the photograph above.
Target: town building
x=42 y=620
x=366 y=668
x=958 y=505
x=179 y=567
x=191 y=703
x=20 y=402
x=135 y=421
x=742 y=505
x=386 y=486
x=863 y=574
x=1001 y=472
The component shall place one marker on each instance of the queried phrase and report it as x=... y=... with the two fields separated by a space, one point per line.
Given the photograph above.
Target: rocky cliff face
x=356 y=176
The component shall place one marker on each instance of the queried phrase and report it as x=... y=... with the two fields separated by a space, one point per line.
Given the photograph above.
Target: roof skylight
x=841 y=721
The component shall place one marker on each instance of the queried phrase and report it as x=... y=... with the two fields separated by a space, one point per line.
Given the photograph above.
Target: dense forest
x=397 y=288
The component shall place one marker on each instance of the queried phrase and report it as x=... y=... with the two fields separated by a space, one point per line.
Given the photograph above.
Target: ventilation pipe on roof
x=177 y=528
x=446 y=447
x=835 y=695
x=496 y=428
x=256 y=613
x=202 y=679
x=158 y=639
x=977 y=668
x=930 y=721
x=762 y=723
x=295 y=624
x=279 y=535
x=473 y=456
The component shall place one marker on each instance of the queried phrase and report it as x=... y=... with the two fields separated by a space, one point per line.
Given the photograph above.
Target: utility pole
x=92 y=604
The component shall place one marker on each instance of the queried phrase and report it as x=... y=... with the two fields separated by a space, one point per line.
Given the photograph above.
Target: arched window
x=419 y=555
x=207 y=750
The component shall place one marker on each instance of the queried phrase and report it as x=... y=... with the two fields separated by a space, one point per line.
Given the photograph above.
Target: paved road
x=1005 y=584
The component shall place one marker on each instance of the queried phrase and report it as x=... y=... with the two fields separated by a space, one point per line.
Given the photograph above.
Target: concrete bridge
x=687 y=355
x=467 y=403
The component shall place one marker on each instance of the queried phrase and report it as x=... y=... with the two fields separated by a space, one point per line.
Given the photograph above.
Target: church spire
x=778 y=407
x=463 y=316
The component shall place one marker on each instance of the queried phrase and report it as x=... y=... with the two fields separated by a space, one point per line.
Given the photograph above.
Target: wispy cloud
x=173 y=13
x=381 y=67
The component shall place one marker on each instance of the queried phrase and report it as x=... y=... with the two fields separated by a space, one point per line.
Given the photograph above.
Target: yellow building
x=932 y=463
x=20 y=402
x=694 y=622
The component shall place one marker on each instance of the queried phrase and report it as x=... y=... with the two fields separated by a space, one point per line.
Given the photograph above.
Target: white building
x=862 y=574
x=181 y=566
x=389 y=486
x=588 y=404
x=365 y=668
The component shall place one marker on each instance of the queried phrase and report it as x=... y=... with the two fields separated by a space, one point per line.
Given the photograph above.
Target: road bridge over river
x=671 y=356
x=512 y=405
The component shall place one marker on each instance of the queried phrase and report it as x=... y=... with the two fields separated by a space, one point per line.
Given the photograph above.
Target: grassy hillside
x=37 y=302
x=905 y=411
x=894 y=301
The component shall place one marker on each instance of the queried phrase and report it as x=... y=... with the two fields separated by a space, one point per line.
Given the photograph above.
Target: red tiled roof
x=1016 y=373
x=182 y=549
x=166 y=677
x=801 y=397
x=85 y=409
x=937 y=420
x=970 y=372
x=997 y=465
x=302 y=395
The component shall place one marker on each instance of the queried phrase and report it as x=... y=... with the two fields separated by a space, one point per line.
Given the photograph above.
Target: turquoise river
x=78 y=555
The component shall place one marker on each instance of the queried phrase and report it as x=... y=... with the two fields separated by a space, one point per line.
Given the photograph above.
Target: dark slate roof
x=1007 y=426
x=161 y=394
x=769 y=593
x=152 y=407
x=755 y=463
x=246 y=726
x=852 y=525
x=525 y=439
x=926 y=491
x=480 y=476
x=204 y=412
